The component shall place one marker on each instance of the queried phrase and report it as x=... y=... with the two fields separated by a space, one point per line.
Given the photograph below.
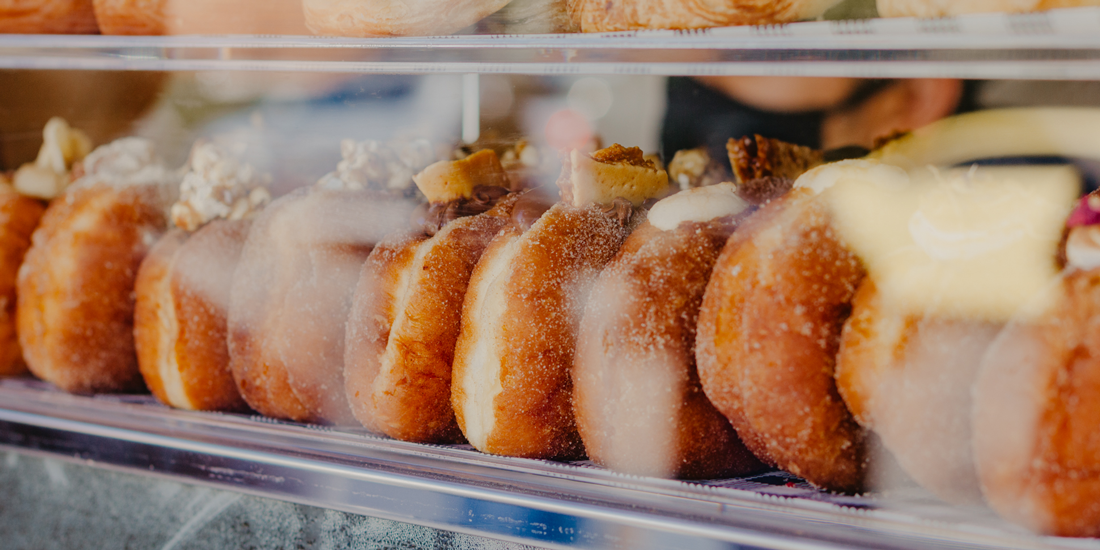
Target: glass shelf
x=1061 y=44
x=455 y=488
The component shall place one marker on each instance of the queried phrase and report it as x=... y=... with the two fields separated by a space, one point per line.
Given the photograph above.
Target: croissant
x=946 y=8
x=626 y=15
x=395 y=17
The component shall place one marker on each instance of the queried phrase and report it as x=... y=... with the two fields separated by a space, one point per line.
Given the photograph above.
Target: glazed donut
x=47 y=17
x=628 y=15
x=19 y=216
x=948 y=8
x=180 y=318
x=364 y=18
x=76 y=286
x=511 y=383
x=298 y=270
x=769 y=329
x=636 y=395
x=407 y=306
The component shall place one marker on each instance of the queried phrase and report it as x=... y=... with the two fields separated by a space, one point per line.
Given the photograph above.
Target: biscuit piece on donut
x=948 y=8
x=395 y=17
x=769 y=330
x=639 y=406
x=19 y=216
x=180 y=321
x=404 y=324
x=76 y=286
x=628 y=15
x=1036 y=407
x=47 y=17
x=291 y=294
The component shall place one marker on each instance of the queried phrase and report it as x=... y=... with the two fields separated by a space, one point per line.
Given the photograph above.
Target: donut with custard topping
x=639 y=406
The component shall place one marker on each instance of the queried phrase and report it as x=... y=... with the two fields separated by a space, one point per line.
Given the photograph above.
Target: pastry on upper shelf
x=47 y=17
x=172 y=17
x=948 y=8
x=628 y=15
x=182 y=288
x=511 y=381
x=639 y=406
x=76 y=286
x=364 y=18
x=293 y=287
x=407 y=308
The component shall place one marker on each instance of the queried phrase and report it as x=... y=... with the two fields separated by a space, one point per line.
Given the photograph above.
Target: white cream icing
x=377 y=165
x=700 y=204
x=218 y=185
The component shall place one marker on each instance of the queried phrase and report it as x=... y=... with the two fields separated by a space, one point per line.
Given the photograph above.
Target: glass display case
x=289 y=104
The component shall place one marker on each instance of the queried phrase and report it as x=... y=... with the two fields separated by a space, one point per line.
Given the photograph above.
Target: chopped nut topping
x=617 y=154
x=218 y=186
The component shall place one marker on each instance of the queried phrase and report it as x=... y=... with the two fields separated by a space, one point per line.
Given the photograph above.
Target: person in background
x=825 y=113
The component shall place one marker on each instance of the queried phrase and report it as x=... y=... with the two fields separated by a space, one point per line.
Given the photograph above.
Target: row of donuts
x=941 y=309
x=361 y=18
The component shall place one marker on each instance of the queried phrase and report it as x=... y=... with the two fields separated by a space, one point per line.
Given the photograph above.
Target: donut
x=406 y=310
x=768 y=334
x=908 y=378
x=1035 y=413
x=363 y=18
x=639 y=406
x=290 y=298
x=180 y=317
x=628 y=15
x=19 y=216
x=183 y=285
x=948 y=8
x=47 y=17
x=511 y=384
x=76 y=285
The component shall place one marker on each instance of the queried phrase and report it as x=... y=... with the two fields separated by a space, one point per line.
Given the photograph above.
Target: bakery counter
x=455 y=489
x=1060 y=44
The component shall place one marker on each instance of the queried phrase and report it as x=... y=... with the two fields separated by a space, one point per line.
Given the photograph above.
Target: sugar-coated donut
x=1036 y=408
x=76 y=285
x=404 y=325
x=909 y=378
x=395 y=17
x=626 y=15
x=769 y=330
x=19 y=216
x=180 y=319
x=639 y=406
x=290 y=297
x=47 y=17
x=511 y=386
